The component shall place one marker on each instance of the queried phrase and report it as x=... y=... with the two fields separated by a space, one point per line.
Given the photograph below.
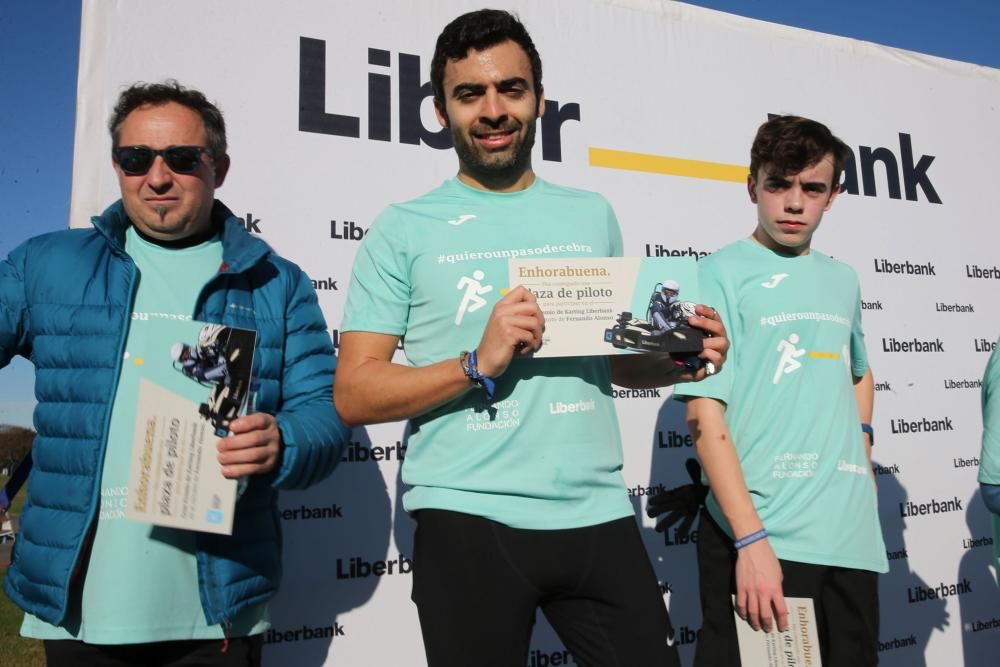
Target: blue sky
x=39 y=40
x=966 y=30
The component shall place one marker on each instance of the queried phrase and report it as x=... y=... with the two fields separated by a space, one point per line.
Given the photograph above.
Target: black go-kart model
x=635 y=334
x=665 y=329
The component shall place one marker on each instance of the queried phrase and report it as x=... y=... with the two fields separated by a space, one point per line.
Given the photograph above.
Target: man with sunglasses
x=99 y=589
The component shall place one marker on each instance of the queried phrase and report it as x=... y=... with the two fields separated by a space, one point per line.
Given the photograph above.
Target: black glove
x=681 y=505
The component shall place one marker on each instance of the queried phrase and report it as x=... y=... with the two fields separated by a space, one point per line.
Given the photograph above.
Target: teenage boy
x=516 y=508
x=783 y=433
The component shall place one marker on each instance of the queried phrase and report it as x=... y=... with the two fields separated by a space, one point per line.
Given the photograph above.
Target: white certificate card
x=798 y=647
x=612 y=305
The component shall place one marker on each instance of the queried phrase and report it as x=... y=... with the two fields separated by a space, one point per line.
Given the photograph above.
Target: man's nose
x=159 y=176
x=793 y=200
x=493 y=106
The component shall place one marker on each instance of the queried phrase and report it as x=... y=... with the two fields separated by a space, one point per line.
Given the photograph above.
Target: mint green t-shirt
x=989 y=458
x=141 y=581
x=430 y=271
x=796 y=341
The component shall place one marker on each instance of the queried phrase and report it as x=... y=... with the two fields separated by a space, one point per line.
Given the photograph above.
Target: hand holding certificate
x=617 y=305
x=515 y=327
x=254 y=447
x=796 y=647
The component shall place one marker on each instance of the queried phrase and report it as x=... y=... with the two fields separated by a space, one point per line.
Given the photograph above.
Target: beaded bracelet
x=470 y=367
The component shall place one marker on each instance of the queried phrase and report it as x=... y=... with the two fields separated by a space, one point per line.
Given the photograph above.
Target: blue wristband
x=478 y=378
x=750 y=539
x=867 y=428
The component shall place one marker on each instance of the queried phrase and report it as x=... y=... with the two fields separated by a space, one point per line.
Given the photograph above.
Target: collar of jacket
x=240 y=250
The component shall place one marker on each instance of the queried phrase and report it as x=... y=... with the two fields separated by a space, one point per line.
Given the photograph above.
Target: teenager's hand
x=716 y=344
x=515 y=326
x=759 y=598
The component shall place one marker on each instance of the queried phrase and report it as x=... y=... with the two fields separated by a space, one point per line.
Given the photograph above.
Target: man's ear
x=221 y=169
x=441 y=113
x=541 y=102
x=833 y=195
x=752 y=188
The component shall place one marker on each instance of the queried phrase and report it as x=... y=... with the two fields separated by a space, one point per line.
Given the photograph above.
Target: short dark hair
x=480 y=30
x=789 y=144
x=156 y=94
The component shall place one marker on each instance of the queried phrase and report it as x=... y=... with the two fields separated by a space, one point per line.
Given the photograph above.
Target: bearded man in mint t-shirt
x=517 y=507
x=784 y=432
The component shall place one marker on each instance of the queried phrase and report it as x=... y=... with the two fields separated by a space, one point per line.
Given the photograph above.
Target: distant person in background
x=98 y=589
x=783 y=433
x=989 y=459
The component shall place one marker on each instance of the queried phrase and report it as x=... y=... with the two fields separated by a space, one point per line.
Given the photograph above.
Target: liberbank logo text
x=922 y=425
x=347 y=230
x=904 y=175
x=410 y=94
x=357 y=567
x=939 y=592
x=305 y=633
x=935 y=506
x=906 y=268
x=913 y=345
x=912 y=173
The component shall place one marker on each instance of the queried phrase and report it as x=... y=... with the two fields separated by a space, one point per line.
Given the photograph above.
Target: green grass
x=15 y=650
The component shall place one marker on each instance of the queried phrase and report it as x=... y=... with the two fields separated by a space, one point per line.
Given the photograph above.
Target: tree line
x=15 y=443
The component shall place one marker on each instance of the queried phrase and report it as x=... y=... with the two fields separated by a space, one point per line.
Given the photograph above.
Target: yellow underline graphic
x=824 y=355
x=664 y=164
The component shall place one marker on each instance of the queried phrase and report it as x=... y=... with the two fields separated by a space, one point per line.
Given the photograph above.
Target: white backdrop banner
x=653 y=104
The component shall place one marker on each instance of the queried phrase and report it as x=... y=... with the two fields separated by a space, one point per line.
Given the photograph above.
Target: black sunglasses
x=136 y=160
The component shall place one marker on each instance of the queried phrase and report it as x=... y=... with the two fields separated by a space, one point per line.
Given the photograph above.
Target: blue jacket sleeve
x=991 y=496
x=13 y=307
x=311 y=432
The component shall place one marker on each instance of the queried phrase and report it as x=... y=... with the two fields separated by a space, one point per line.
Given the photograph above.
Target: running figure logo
x=472 y=300
x=775 y=279
x=789 y=362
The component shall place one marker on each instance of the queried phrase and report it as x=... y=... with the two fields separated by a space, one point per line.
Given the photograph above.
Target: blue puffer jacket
x=65 y=303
